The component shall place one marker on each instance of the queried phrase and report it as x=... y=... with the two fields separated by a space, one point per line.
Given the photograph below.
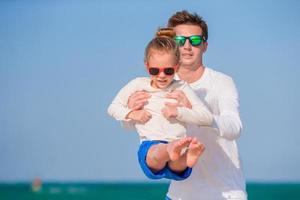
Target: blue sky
x=62 y=62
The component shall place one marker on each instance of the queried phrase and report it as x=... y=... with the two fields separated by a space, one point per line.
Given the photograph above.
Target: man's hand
x=169 y=111
x=179 y=96
x=140 y=116
x=137 y=100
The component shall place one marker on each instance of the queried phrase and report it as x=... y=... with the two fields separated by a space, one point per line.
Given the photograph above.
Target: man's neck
x=190 y=74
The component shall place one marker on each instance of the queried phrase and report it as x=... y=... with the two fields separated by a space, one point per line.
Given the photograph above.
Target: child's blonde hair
x=163 y=42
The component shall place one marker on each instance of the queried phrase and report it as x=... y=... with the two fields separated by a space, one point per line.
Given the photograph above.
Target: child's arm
x=198 y=114
x=119 y=109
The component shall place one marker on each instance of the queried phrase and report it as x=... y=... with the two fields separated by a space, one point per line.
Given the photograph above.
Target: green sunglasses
x=195 y=40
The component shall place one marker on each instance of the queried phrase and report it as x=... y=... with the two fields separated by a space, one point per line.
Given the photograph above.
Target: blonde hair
x=163 y=42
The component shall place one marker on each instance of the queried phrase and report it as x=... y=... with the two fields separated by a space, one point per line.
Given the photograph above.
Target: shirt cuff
x=125 y=112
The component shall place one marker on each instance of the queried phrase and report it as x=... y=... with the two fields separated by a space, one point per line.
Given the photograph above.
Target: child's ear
x=146 y=65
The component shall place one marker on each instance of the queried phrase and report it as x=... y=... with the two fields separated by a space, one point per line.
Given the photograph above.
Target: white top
x=218 y=173
x=158 y=127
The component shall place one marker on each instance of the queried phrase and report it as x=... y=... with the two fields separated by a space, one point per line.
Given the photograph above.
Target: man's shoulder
x=221 y=83
x=217 y=75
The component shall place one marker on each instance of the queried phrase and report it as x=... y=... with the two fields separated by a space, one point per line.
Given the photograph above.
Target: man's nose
x=187 y=45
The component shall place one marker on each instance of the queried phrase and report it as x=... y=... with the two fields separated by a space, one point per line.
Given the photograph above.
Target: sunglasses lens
x=153 y=71
x=195 y=40
x=180 y=40
x=169 y=71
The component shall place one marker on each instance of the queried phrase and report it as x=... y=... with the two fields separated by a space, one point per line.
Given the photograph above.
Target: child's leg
x=157 y=157
x=194 y=152
x=159 y=154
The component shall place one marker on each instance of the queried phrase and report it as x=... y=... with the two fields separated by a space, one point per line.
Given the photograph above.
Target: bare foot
x=195 y=150
x=174 y=148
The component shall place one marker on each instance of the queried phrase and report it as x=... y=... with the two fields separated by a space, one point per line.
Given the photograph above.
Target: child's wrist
x=129 y=115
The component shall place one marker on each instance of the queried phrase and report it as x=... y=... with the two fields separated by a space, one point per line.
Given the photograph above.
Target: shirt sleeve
x=199 y=114
x=227 y=121
x=118 y=109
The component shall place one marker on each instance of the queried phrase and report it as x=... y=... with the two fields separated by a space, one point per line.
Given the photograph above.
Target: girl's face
x=164 y=65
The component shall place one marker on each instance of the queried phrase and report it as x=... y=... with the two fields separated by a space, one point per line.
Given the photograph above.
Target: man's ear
x=205 y=45
x=177 y=66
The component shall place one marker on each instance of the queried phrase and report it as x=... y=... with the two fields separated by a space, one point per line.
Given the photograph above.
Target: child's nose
x=162 y=74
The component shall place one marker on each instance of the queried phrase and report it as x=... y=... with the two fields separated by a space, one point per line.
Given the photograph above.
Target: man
x=218 y=173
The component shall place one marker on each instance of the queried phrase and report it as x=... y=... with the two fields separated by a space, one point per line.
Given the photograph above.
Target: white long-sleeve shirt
x=158 y=127
x=218 y=174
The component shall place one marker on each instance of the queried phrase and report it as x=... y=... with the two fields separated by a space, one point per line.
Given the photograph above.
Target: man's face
x=190 y=56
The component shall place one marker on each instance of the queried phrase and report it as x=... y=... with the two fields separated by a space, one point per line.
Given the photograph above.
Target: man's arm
x=198 y=114
x=189 y=108
x=137 y=100
x=227 y=121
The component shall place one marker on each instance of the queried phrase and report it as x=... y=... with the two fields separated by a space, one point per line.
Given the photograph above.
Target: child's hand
x=140 y=116
x=169 y=111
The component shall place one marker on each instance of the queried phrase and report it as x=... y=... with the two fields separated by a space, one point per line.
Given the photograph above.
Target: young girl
x=165 y=150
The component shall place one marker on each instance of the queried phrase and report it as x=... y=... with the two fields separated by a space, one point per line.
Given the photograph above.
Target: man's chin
x=187 y=63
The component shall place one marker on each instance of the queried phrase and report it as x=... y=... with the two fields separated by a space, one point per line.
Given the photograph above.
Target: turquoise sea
x=131 y=191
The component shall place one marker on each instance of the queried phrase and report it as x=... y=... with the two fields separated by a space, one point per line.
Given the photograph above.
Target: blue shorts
x=166 y=172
